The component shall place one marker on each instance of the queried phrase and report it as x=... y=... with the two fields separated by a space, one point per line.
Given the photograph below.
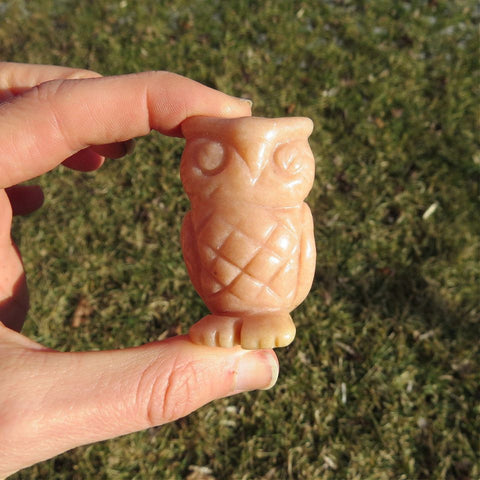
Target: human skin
x=52 y=401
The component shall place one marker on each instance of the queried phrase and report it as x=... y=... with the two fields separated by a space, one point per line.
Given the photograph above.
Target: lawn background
x=382 y=381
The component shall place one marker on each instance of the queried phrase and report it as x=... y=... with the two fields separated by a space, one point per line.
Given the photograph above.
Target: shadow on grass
x=438 y=338
x=405 y=292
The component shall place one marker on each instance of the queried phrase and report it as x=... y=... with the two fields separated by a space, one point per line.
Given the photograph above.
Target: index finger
x=48 y=123
x=16 y=78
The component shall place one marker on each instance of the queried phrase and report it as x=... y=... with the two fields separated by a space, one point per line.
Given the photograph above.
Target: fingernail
x=129 y=146
x=256 y=370
x=247 y=100
x=231 y=107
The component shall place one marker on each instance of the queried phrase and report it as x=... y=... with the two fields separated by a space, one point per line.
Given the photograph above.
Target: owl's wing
x=190 y=251
x=306 y=267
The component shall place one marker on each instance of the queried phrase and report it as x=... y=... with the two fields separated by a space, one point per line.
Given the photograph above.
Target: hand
x=51 y=401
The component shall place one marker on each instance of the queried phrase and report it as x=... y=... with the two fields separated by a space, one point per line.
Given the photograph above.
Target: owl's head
x=259 y=160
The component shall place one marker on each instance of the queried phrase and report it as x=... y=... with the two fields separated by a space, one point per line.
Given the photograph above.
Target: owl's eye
x=292 y=157
x=210 y=157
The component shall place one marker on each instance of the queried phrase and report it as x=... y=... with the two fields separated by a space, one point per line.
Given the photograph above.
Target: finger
x=25 y=199
x=79 y=398
x=85 y=160
x=47 y=124
x=115 y=150
x=13 y=285
x=16 y=78
x=91 y=158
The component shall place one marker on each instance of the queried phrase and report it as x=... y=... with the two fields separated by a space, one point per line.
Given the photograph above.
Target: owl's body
x=248 y=240
x=246 y=257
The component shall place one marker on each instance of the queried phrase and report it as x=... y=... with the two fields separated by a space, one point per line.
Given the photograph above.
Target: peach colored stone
x=248 y=241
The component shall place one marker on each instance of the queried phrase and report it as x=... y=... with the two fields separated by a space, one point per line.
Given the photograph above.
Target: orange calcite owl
x=248 y=241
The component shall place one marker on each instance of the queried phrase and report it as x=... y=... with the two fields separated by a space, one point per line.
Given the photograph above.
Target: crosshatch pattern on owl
x=248 y=240
x=248 y=263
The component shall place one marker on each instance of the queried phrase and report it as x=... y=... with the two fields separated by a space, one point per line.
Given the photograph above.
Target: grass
x=383 y=379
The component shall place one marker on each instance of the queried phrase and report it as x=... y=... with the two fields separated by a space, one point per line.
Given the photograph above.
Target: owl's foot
x=267 y=330
x=260 y=330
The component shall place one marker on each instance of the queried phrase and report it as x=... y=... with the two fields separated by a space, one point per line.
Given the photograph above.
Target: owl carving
x=248 y=240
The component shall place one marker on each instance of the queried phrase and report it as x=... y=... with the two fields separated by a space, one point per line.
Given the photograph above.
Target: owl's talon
x=262 y=330
x=267 y=330
x=216 y=330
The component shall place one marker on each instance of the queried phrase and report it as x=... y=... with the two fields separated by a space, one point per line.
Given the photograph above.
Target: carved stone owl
x=248 y=240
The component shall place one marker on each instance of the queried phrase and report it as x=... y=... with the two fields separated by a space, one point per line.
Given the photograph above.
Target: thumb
x=51 y=401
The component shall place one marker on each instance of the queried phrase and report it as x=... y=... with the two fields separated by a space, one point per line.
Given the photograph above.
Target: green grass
x=383 y=379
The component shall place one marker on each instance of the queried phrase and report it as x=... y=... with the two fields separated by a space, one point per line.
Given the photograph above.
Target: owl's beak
x=256 y=160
